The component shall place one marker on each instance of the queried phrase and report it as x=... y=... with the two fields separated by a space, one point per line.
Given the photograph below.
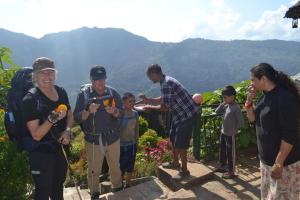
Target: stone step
x=199 y=174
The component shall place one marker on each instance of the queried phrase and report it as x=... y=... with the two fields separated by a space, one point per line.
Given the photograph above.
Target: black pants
x=49 y=173
x=227 y=152
x=182 y=135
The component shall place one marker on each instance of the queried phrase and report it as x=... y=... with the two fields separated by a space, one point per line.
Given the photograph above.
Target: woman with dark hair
x=276 y=116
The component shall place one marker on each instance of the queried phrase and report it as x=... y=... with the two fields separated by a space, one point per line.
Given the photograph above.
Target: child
x=129 y=134
x=232 y=121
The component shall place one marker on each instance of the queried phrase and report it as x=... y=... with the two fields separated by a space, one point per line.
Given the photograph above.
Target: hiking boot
x=229 y=175
x=170 y=165
x=181 y=175
x=127 y=186
x=95 y=196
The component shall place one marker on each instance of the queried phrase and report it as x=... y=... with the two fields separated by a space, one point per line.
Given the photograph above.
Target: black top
x=277 y=118
x=39 y=106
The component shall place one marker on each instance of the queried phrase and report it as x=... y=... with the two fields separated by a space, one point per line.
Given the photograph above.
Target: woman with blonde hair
x=49 y=127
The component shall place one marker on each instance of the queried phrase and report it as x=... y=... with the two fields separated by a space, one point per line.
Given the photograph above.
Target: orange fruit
x=106 y=102
x=113 y=103
x=61 y=107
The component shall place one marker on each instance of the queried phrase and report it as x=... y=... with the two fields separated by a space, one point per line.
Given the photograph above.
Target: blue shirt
x=105 y=125
x=179 y=101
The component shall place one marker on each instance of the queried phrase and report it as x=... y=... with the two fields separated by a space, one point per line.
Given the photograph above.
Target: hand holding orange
x=106 y=102
x=61 y=107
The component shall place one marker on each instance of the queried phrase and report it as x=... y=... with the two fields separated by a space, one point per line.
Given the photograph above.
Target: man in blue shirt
x=97 y=110
x=176 y=99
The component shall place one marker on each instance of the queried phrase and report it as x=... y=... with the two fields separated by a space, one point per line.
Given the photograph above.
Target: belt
x=101 y=133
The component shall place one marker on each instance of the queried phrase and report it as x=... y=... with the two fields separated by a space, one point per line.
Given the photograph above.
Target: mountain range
x=199 y=64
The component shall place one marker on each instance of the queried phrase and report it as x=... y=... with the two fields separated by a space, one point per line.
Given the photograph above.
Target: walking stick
x=93 y=151
x=71 y=172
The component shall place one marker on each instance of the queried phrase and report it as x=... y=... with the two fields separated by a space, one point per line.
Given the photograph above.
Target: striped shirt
x=179 y=101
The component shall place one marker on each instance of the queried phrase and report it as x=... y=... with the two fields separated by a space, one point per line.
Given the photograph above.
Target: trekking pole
x=71 y=173
x=93 y=151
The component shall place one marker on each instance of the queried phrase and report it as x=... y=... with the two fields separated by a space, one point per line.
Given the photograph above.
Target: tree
x=15 y=182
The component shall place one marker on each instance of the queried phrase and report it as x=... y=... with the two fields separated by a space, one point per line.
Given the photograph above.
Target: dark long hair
x=277 y=77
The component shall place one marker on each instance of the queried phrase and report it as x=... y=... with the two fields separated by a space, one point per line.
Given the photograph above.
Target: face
x=258 y=84
x=99 y=85
x=129 y=103
x=45 y=78
x=228 y=99
x=155 y=78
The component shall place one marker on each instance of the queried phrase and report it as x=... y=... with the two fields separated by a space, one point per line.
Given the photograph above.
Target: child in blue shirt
x=129 y=134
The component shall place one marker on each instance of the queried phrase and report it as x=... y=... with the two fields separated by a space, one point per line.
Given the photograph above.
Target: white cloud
x=217 y=22
x=158 y=20
x=271 y=25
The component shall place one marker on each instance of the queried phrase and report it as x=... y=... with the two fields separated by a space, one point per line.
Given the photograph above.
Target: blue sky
x=157 y=20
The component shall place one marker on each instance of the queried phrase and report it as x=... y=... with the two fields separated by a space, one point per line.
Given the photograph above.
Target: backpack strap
x=86 y=89
x=110 y=91
x=35 y=95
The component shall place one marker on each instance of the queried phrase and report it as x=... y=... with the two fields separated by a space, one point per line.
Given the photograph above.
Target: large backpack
x=16 y=129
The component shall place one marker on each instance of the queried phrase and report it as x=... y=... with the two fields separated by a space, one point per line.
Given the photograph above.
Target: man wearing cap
x=97 y=110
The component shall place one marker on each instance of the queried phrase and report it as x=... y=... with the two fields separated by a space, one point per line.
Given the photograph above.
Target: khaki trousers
x=95 y=161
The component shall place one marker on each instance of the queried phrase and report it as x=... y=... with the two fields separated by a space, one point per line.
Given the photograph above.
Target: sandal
x=181 y=175
x=228 y=175
x=170 y=165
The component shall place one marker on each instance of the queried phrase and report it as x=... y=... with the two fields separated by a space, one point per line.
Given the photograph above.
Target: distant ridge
x=199 y=64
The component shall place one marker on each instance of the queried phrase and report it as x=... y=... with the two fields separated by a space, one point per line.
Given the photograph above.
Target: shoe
x=181 y=175
x=229 y=175
x=95 y=196
x=221 y=169
x=114 y=190
x=127 y=186
x=170 y=165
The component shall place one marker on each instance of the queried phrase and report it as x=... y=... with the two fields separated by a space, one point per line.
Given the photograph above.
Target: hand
x=111 y=110
x=93 y=108
x=148 y=107
x=276 y=171
x=54 y=117
x=65 y=138
x=144 y=98
x=61 y=114
x=251 y=93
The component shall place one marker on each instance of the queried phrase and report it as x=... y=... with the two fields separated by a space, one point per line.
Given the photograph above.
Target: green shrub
x=143 y=167
x=246 y=136
x=143 y=125
x=211 y=122
x=15 y=181
x=77 y=144
x=77 y=158
x=149 y=139
x=149 y=158
x=15 y=177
